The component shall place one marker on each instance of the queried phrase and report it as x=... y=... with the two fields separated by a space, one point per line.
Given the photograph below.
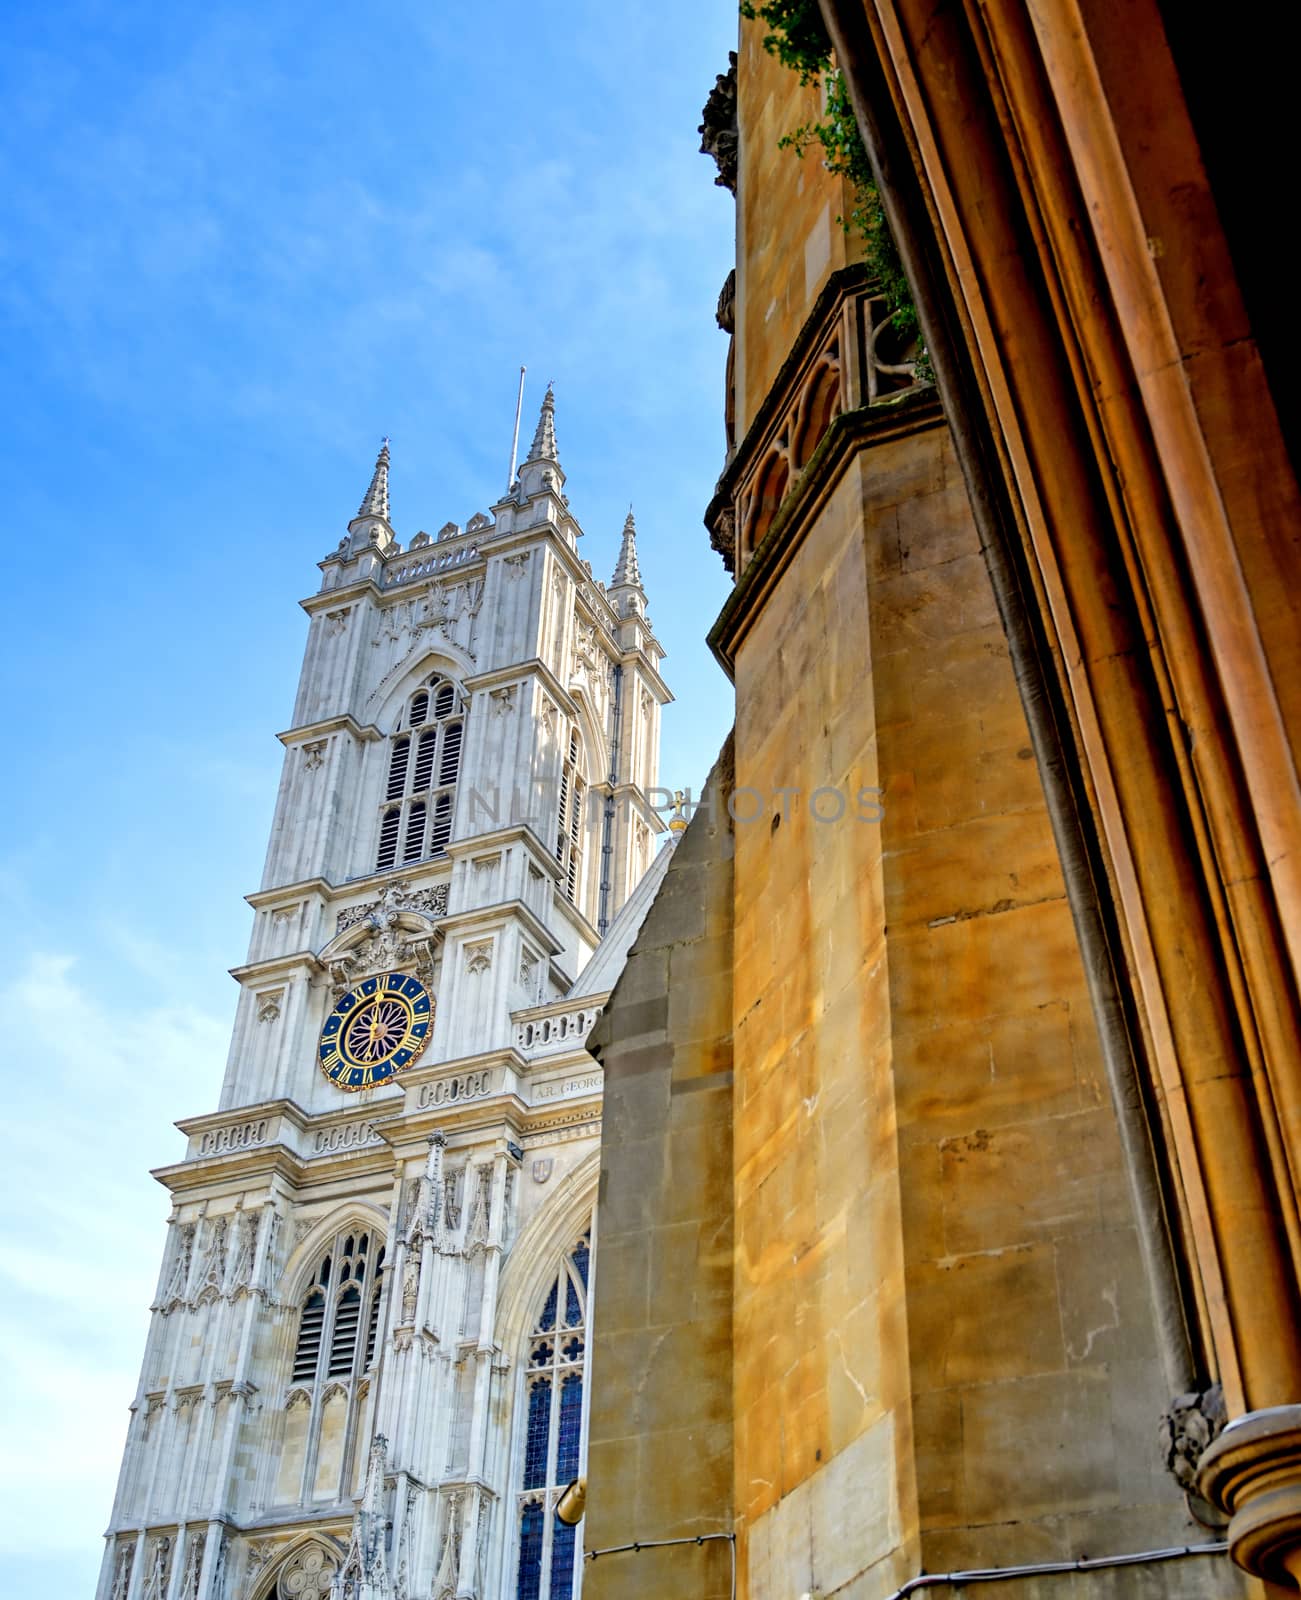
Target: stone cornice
x=495 y=838
x=913 y=412
x=496 y=916
x=534 y=667
x=638 y=657
x=262 y=899
x=345 y=723
x=273 y=966
x=328 y=599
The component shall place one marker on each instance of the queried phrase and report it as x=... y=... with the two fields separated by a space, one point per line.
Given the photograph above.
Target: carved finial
x=364 y=1573
x=543 y=447
x=627 y=572
x=376 y=502
x=678 y=822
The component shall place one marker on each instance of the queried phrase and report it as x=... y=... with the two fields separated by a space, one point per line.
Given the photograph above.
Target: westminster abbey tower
x=364 y=1373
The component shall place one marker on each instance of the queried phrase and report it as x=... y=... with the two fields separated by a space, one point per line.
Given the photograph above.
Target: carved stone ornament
x=268 y=1005
x=283 y=914
x=478 y=957
x=516 y=564
x=542 y=1168
x=718 y=132
x=158 y=1568
x=314 y=755
x=307 y=1575
x=503 y=699
x=1187 y=1429
x=398 y=896
x=125 y=1555
x=725 y=314
x=478 y=522
x=722 y=536
x=337 y=621
x=193 y=1567
x=449 y=530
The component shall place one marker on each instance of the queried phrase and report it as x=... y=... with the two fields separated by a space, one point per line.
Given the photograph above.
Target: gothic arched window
x=338 y=1323
x=420 y=786
x=554 y=1444
x=569 y=823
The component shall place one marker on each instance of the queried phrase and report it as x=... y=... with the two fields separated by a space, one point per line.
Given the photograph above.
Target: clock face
x=376 y=1031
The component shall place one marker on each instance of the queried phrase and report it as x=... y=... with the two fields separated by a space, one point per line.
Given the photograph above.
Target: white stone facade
x=350 y=1323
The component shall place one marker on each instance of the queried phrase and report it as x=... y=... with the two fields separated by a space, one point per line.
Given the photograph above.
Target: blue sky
x=240 y=243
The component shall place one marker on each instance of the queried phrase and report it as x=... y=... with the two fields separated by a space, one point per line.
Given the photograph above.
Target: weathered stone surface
x=660 y=1457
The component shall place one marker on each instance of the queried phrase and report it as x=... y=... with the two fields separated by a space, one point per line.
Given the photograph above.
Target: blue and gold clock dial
x=376 y=1031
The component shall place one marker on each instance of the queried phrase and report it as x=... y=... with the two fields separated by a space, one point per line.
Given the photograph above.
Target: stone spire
x=543 y=447
x=627 y=572
x=541 y=469
x=371 y=525
x=425 y=1221
x=364 y=1573
x=375 y=503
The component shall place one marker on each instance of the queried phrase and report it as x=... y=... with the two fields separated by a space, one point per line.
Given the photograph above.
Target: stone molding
x=1253 y=1473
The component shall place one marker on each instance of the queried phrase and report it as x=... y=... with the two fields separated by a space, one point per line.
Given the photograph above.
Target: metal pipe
x=660 y=1544
x=607 y=811
x=1038 y=1569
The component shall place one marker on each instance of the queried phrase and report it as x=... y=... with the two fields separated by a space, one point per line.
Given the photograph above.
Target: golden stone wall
x=660 y=1428
x=943 y=1349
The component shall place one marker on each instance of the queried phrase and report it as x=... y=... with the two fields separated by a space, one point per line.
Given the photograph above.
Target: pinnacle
x=626 y=569
x=375 y=503
x=543 y=447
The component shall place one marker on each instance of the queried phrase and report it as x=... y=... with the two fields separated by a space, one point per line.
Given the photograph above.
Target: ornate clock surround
x=380 y=970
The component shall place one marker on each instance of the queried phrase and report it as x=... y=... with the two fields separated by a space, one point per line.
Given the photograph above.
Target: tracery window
x=338 y=1326
x=420 y=787
x=569 y=825
x=554 y=1440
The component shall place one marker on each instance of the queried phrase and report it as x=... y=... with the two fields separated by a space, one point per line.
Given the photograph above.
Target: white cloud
x=93 y=1086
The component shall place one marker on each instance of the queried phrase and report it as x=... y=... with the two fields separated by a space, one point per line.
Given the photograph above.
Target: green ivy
x=800 y=41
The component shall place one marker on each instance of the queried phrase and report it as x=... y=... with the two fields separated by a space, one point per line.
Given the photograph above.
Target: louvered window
x=420 y=788
x=425 y=760
x=447 y=768
x=390 y=822
x=442 y=829
x=347 y=1322
x=308 y=1349
x=338 y=1331
x=553 y=1445
x=414 y=847
x=569 y=822
x=397 y=768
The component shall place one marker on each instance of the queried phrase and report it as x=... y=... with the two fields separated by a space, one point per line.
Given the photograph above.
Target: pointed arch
x=295 y=1277
x=539 y=1245
x=420 y=765
x=545 y=1328
x=402 y=677
x=267 y=1586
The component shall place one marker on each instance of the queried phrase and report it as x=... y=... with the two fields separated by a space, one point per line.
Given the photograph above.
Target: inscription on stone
x=559 y=1091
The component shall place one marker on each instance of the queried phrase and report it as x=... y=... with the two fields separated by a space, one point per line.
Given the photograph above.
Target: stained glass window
x=530 y=1554
x=553 y=1444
